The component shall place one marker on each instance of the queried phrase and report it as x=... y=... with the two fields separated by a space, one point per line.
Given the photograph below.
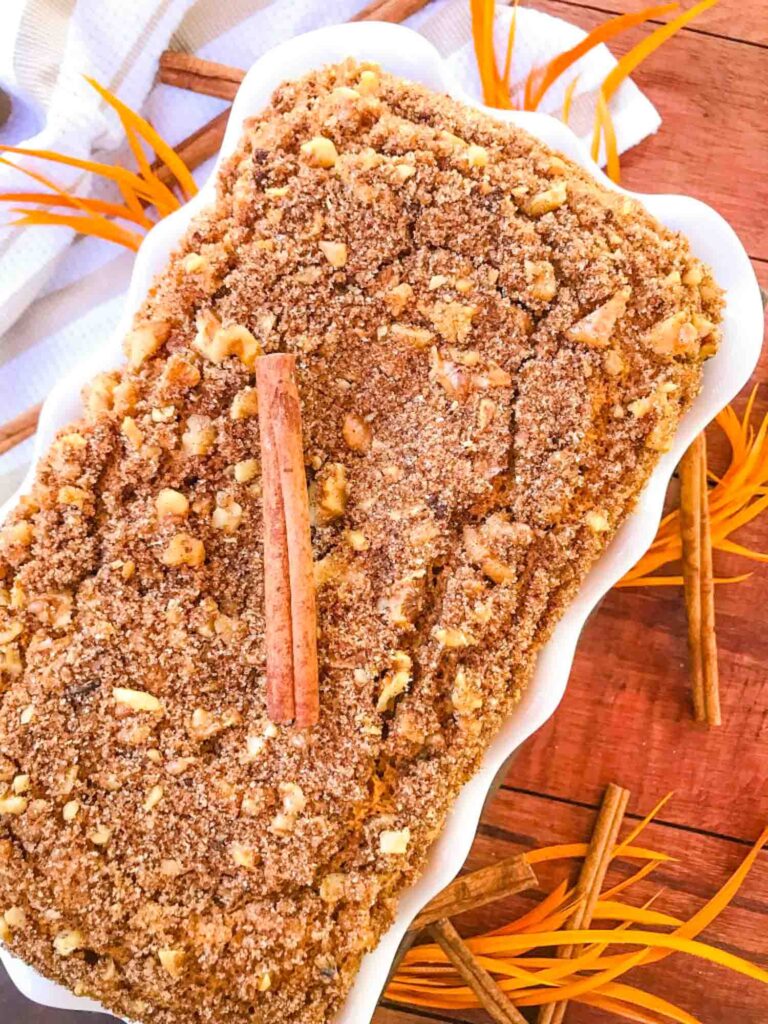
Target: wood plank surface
x=732 y=19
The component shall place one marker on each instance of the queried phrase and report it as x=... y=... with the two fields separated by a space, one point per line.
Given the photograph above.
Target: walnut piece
x=596 y=328
x=320 y=152
x=183 y=549
x=144 y=341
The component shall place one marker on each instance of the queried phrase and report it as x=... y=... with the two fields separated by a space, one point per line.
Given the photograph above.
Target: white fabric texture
x=78 y=284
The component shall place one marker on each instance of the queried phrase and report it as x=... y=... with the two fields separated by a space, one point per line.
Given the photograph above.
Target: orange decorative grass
x=497 y=89
x=737 y=497
x=141 y=190
x=516 y=954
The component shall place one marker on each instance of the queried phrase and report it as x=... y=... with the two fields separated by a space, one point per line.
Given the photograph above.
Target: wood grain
x=733 y=19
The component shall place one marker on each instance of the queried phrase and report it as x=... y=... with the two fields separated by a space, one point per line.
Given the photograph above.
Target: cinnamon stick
x=291 y=616
x=207 y=77
x=710 y=670
x=591 y=878
x=476 y=889
x=490 y=996
x=202 y=76
x=698 y=582
x=19 y=429
x=389 y=10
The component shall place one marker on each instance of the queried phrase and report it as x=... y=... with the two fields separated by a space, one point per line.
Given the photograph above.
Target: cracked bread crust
x=492 y=352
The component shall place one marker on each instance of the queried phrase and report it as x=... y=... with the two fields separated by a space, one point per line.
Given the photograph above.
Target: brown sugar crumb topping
x=491 y=352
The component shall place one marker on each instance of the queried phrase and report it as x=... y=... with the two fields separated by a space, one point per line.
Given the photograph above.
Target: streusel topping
x=492 y=352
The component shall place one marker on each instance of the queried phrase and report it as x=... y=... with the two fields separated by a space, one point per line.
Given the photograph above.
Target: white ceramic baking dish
x=407 y=54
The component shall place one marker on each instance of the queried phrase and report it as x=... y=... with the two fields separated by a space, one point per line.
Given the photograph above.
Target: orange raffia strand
x=495 y=86
x=640 y=1001
x=555 y=899
x=630 y=61
x=568 y=99
x=97 y=206
x=98 y=226
x=738 y=497
x=136 y=128
x=136 y=214
x=117 y=174
x=575 y=851
x=539 y=81
x=638 y=876
x=605 y=123
x=510 y=48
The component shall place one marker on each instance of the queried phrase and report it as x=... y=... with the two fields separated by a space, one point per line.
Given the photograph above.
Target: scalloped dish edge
x=407 y=54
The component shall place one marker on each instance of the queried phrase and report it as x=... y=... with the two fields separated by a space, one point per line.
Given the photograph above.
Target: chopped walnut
x=453 y=320
x=243 y=856
x=395 y=681
x=392 y=842
x=153 y=798
x=137 y=700
x=486 y=411
x=356 y=432
x=464 y=697
x=597 y=522
x=76 y=496
x=246 y=470
x=171 y=503
x=397 y=298
x=244 y=404
x=218 y=342
x=540 y=275
x=183 y=549
x=227 y=518
x=67 y=943
x=16 y=918
x=332 y=492
x=320 y=152
x=144 y=341
x=477 y=156
x=172 y=961
x=357 y=540
x=335 y=253
x=547 y=201
x=100 y=836
x=131 y=432
x=333 y=888
x=450 y=637
x=596 y=328
x=13 y=804
x=676 y=335
x=416 y=337
x=179 y=372
x=200 y=435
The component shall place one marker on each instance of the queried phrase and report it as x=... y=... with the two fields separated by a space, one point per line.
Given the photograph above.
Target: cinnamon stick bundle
x=591 y=878
x=698 y=580
x=289 y=587
x=491 y=998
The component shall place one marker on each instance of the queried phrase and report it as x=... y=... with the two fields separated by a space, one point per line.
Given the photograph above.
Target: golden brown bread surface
x=492 y=353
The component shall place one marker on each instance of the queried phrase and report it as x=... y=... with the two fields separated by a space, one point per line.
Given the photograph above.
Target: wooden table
x=626 y=715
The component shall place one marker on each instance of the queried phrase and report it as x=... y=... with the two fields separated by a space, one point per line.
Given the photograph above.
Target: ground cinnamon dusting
x=491 y=353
